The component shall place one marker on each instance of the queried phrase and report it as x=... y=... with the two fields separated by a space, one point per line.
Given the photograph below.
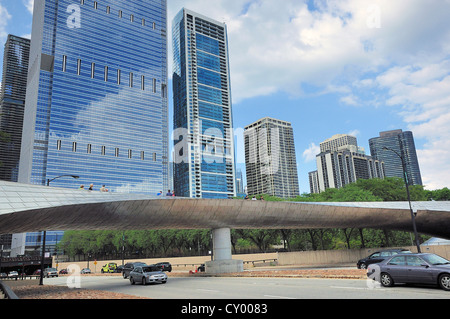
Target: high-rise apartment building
x=96 y=103
x=403 y=144
x=270 y=159
x=12 y=104
x=342 y=162
x=203 y=128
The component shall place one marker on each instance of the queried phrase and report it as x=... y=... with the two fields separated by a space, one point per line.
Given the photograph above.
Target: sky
x=329 y=67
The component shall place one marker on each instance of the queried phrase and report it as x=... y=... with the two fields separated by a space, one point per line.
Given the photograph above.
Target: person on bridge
x=169 y=193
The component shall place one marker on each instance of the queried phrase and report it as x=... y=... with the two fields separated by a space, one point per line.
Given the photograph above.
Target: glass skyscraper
x=402 y=143
x=203 y=129
x=12 y=105
x=96 y=103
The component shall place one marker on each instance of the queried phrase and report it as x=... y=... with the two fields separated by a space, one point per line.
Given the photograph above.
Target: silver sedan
x=422 y=268
x=147 y=274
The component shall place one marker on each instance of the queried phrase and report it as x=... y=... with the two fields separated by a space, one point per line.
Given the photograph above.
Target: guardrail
x=245 y=262
x=6 y=292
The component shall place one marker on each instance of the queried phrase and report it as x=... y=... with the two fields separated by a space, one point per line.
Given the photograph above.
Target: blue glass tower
x=96 y=102
x=203 y=128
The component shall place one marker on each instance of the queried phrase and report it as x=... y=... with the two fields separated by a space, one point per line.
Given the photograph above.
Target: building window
x=143 y=22
x=142 y=82
x=163 y=90
x=116 y=152
x=142 y=155
x=130 y=153
x=79 y=67
x=95 y=5
x=74 y=146
x=64 y=65
x=120 y=14
x=154 y=86
x=153 y=25
x=131 y=18
x=92 y=70
x=103 y=150
x=106 y=74
x=108 y=9
x=58 y=145
x=89 y=148
x=154 y=157
x=131 y=80
x=81 y=1
x=118 y=76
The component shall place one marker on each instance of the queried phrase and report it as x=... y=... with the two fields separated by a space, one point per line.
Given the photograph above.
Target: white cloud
x=29 y=4
x=310 y=153
x=4 y=18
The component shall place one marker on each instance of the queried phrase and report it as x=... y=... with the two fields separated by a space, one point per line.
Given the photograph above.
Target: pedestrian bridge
x=29 y=208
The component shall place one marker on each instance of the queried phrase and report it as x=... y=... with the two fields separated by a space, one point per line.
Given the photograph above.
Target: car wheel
x=124 y=276
x=132 y=281
x=144 y=282
x=444 y=281
x=363 y=266
x=386 y=280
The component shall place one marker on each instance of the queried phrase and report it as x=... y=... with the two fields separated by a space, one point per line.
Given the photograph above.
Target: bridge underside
x=28 y=208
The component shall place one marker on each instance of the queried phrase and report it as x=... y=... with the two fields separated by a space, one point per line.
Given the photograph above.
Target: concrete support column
x=222 y=244
x=223 y=262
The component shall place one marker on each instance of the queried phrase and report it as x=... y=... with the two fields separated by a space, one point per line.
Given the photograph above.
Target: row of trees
x=162 y=243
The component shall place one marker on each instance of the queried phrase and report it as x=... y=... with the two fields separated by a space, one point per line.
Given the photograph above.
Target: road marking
x=357 y=288
x=280 y=297
x=208 y=290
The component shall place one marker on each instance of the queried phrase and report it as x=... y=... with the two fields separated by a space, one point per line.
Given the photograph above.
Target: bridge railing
x=6 y=292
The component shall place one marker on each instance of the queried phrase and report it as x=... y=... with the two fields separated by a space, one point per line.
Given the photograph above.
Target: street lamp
x=41 y=279
x=413 y=219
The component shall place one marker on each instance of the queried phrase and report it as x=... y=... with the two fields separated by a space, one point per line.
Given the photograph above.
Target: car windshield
x=435 y=260
x=51 y=269
x=150 y=269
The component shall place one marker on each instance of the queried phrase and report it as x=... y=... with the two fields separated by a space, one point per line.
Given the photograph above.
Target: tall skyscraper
x=402 y=143
x=342 y=162
x=270 y=159
x=203 y=127
x=12 y=104
x=96 y=103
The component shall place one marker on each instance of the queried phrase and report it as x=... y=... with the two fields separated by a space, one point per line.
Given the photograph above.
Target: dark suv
x=379 y=256
x=164 y=266
x=128 y=267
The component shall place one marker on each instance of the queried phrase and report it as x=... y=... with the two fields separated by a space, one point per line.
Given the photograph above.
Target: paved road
x=255 y=288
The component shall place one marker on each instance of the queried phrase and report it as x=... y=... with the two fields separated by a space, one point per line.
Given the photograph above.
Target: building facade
x=403 y=144
x=203 y=127
x=270 y=159
x=342 y=162
x=96 y=103
x=12 y=105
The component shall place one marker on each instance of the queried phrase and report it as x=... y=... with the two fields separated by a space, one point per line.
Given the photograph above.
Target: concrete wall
x=349 y=256
x=178 y=263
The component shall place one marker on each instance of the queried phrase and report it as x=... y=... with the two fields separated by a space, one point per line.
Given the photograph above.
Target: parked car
x=3 y=275
x=63 y=272
x=109 y=267
x=379 y=256
x=421 y=268
x=128 y=267
x=50 y=272
x=147 y=274
x=119 y=268
x=164 y=266
x=85 y=271
x=13 y=274
x=201 y=268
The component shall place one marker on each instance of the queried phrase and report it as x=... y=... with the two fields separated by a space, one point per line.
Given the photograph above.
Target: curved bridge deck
x=28 y=208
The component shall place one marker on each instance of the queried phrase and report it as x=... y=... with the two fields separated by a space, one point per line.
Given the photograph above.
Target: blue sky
x=329 y=67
